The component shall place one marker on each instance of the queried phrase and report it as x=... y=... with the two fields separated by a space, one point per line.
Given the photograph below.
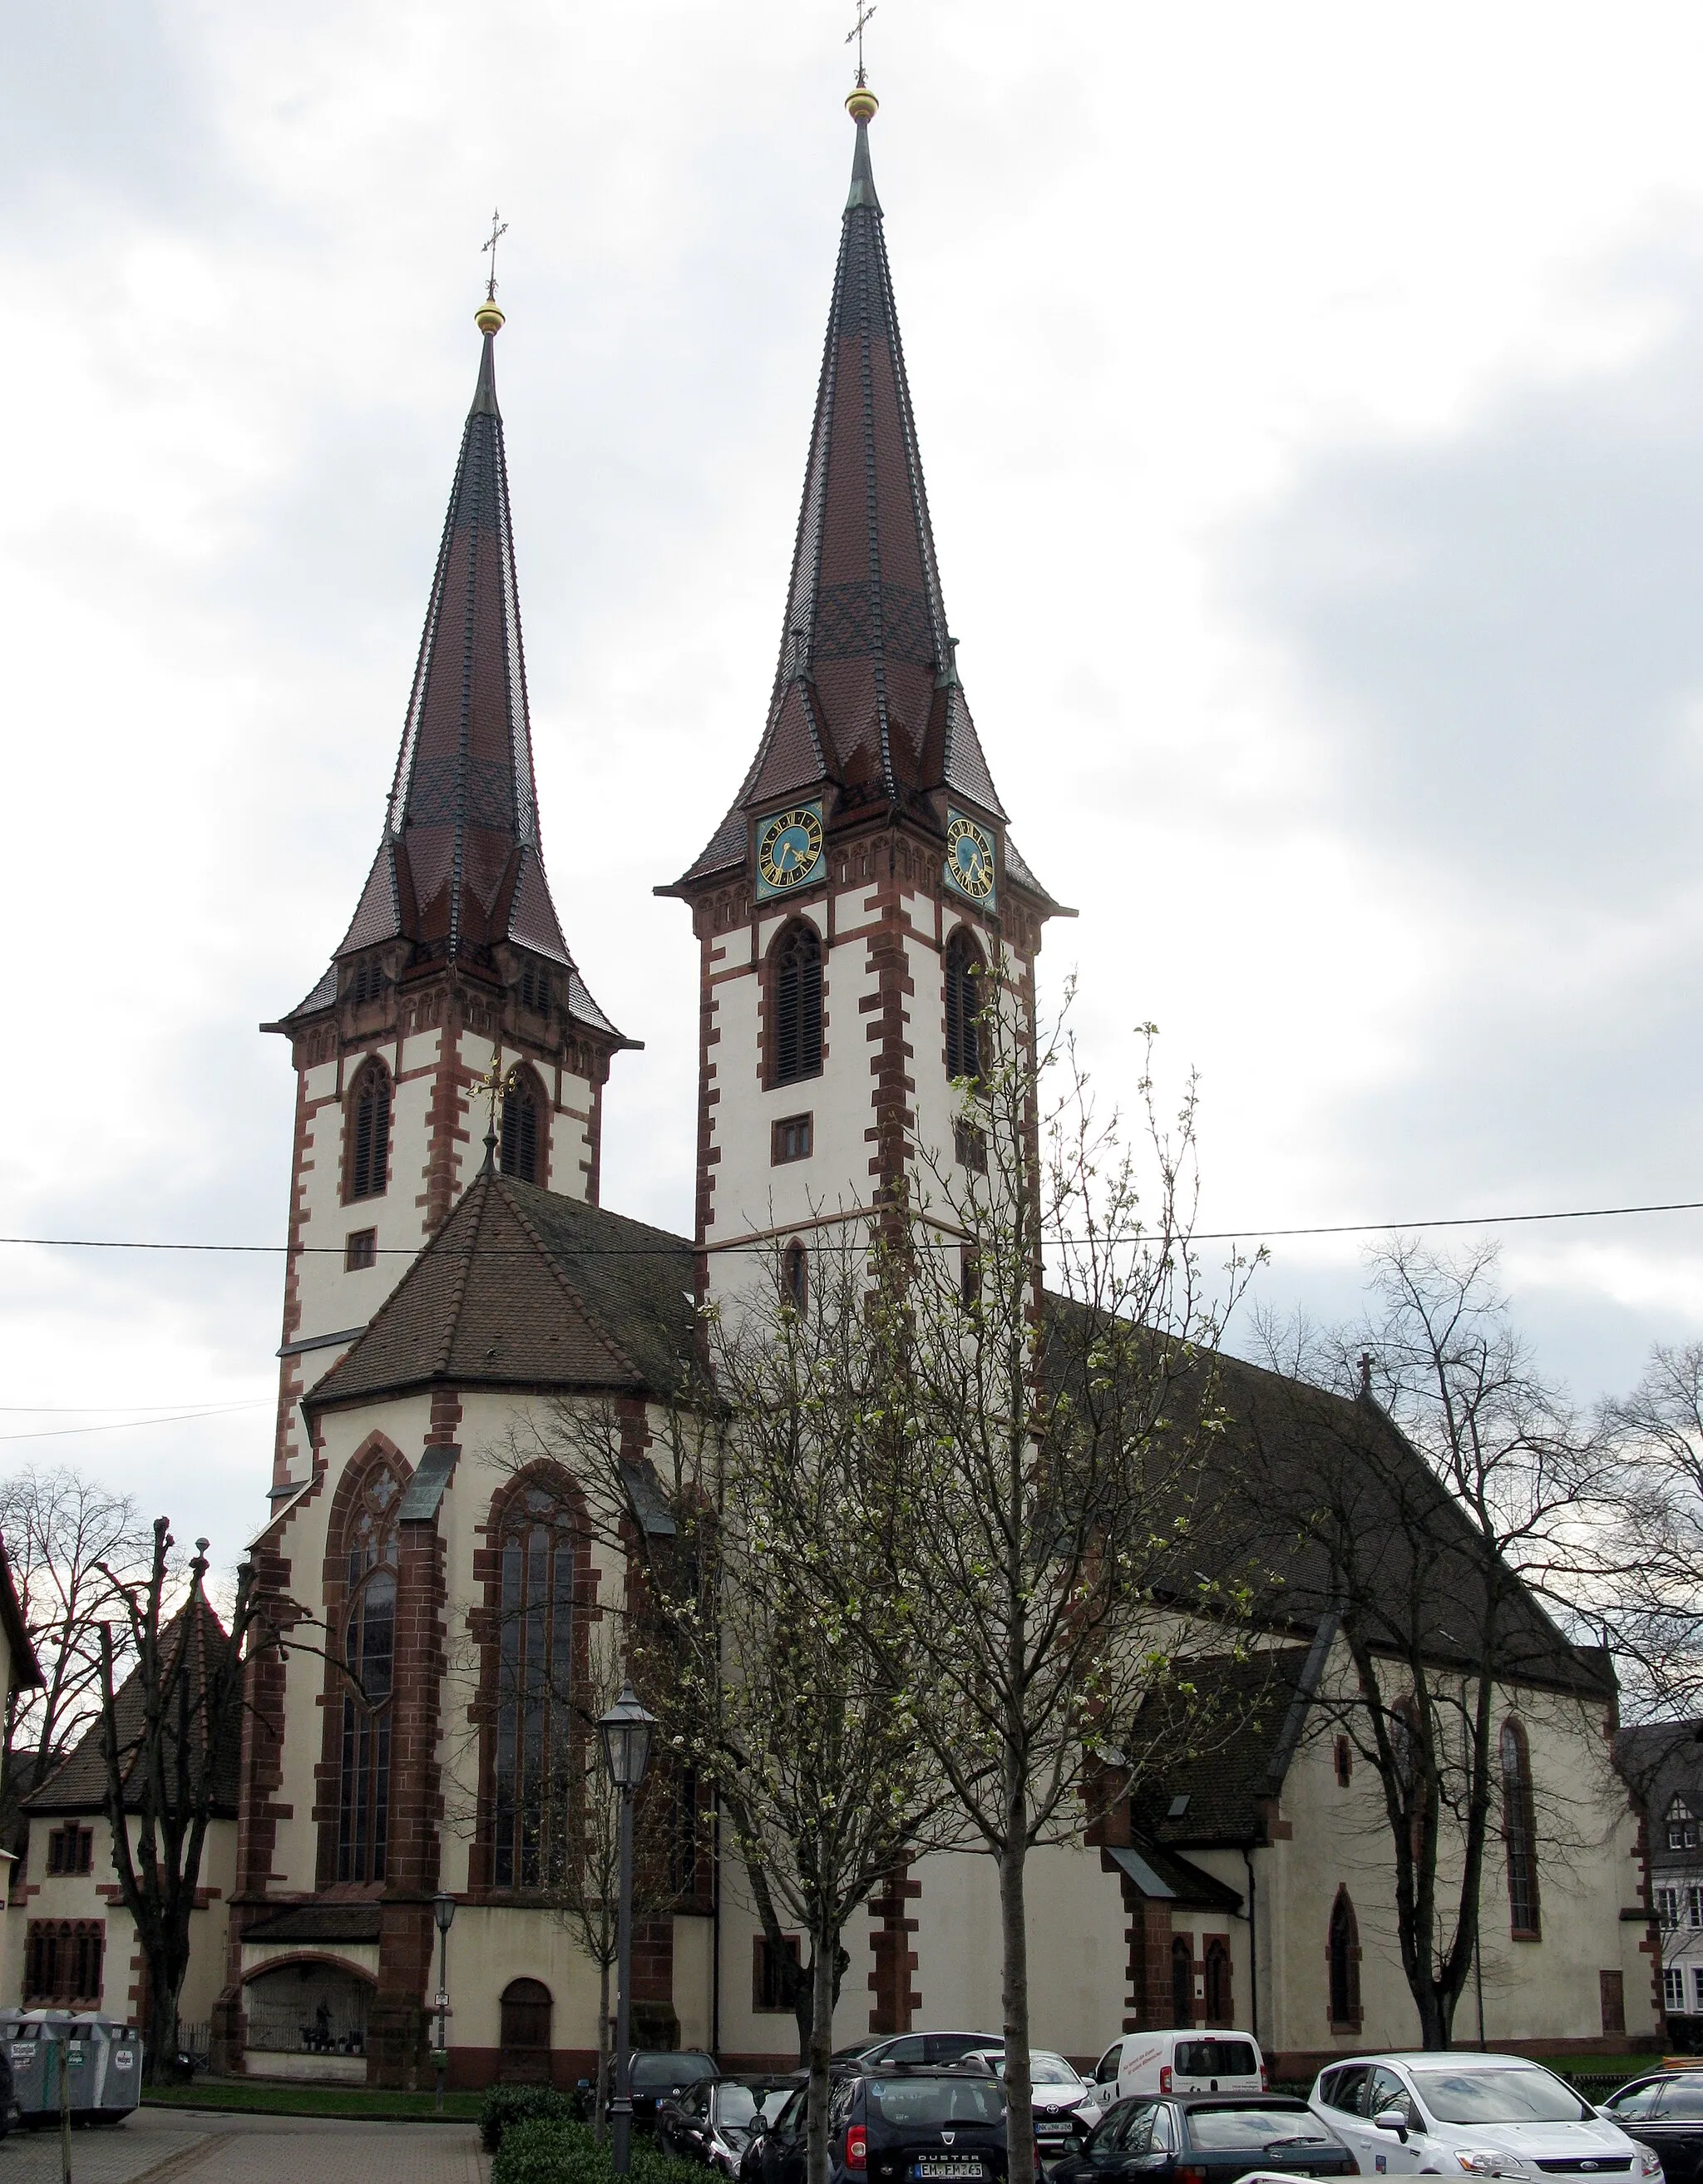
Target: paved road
x=158 y=2145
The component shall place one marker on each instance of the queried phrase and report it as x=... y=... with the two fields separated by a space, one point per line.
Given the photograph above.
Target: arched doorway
x=1218 y=2007
x=526 y=2034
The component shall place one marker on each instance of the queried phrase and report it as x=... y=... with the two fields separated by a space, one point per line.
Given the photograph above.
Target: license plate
x=952 y=2168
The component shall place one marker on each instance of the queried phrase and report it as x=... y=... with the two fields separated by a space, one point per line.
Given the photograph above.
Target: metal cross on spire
x=856 y=32
x=496 y=1085
x=499 y=226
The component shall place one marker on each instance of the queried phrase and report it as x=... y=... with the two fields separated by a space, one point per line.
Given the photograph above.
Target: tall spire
x=459 y=868
x=866 y=703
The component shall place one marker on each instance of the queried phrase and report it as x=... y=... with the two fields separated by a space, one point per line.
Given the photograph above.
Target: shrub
x=504 y=2105
x=547 y=2151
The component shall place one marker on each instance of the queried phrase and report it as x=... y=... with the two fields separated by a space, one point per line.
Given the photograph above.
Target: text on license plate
x=936 y=2166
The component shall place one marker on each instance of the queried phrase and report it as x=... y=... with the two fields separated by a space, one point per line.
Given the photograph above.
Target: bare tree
x=752 y=1490
x=1651 y=1565
x=169 y=1731
x=1441 y=1489
x=1053 y=1470
x=65 y=1533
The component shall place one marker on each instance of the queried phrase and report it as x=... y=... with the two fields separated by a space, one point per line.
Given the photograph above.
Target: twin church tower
x=863 y=871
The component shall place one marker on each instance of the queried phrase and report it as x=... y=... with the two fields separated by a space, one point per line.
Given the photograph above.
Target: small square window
x=360 y=1250
x=971 y=1142
x=772 y=1972
x=792 y=1139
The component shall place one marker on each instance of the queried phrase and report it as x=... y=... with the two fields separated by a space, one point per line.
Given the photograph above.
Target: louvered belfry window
x=521 y=1131
x=796 y=996
x=369 y=1133
x=964 y=966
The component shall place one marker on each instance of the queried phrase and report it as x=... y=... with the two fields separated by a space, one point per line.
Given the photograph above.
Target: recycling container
x=99 y=2057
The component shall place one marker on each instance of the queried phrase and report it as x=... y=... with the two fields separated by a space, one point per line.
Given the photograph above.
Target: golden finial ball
x=862 y=105
x=487 y=318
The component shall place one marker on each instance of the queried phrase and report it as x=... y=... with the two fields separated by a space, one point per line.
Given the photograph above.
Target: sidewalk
x=158 y=2145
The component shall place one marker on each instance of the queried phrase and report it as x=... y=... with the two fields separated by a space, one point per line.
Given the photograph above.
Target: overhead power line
x=1249 y=1233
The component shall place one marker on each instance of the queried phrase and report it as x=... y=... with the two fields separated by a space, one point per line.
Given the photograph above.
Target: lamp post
x=625 y=1730
x=443 y=1911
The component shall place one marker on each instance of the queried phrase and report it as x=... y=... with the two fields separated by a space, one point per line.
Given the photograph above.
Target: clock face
x=969 y=858
x=789 y=850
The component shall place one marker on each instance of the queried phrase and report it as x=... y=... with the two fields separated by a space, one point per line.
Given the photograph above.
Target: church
x=450 y=1263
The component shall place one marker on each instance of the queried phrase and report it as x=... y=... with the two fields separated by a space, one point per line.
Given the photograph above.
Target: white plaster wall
x=78 y=1895
x=748 y=2031
x=1533 y=1990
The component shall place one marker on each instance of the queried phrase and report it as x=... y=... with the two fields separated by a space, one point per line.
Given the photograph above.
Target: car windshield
x=1516 y=2096
x=772 y=2103
x=908 y=2102
x=1043 y=2070
x=735 y=2107
x=1236 y=2129
x=655 y=2074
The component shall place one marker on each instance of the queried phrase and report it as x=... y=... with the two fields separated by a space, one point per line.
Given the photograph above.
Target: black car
x=714 y=2120
x=901 y=2126
x=1664 y=2113
x=1206 y=2138
x=659 y=2074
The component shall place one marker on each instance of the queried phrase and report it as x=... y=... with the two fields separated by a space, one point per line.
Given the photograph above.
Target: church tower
x=865 y=872
x=454 y=958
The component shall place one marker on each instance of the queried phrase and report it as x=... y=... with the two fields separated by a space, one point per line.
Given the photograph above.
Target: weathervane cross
x=495 y=1083
x=856 y=32
x=500 y=226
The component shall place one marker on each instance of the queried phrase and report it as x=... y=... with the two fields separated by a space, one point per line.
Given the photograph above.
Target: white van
x=1180 y=2063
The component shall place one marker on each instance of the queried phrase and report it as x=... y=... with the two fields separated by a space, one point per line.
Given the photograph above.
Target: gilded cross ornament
x=495 y=1083
x=856 y=32
x=498 y=226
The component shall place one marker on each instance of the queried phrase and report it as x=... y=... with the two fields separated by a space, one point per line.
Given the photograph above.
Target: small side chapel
x=443 y=1276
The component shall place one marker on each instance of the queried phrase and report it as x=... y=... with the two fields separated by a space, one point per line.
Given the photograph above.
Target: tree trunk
x=824 y=1948
x=1014 y=1927
x=160 y=2061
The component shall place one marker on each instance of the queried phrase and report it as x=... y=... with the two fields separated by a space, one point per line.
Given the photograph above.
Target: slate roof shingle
x=521 y=1287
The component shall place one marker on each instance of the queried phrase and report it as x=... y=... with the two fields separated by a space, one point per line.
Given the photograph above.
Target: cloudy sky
x=1312 y=400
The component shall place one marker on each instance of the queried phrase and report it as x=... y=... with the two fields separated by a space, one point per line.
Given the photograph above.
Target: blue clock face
x=789 y=850
x=969 y=858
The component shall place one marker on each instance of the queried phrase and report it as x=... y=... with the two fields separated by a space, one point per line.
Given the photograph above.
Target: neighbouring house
x=842 y=911
x=1663 y=1763
x=20 y=1671
x=69 y=1941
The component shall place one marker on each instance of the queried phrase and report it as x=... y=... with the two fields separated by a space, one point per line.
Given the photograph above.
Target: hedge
x=504 y=2105
x=544 y=2148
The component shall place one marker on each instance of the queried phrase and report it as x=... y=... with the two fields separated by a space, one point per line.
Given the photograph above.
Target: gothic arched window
x=369 y=1652
x=964 y=968
x=1519 y=1829
x=795 y=1003
x=367 y=1134
x=1218 y=2008
x=1181 y=1981
x=523 y=1128
x=532 y=1770
x=1342 y=1951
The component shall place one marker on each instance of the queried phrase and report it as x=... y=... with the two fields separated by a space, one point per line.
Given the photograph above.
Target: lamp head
x=625 y=1731
x=443 y=1909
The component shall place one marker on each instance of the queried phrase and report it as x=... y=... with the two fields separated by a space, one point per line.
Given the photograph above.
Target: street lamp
x=443 y=1911
x=625 y=1731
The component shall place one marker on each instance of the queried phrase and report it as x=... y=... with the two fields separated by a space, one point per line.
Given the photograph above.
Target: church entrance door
x=526 y=2034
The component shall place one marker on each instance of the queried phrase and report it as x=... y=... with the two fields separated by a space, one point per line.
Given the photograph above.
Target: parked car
x=913 y=2126
x=715 y=2120
x=659 y=2074
x=901 y=2048
x=1064 y=2102
x=1664 y=2112
x=1206 y=2139
x=1490 y=2115
x=1181 y=2063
